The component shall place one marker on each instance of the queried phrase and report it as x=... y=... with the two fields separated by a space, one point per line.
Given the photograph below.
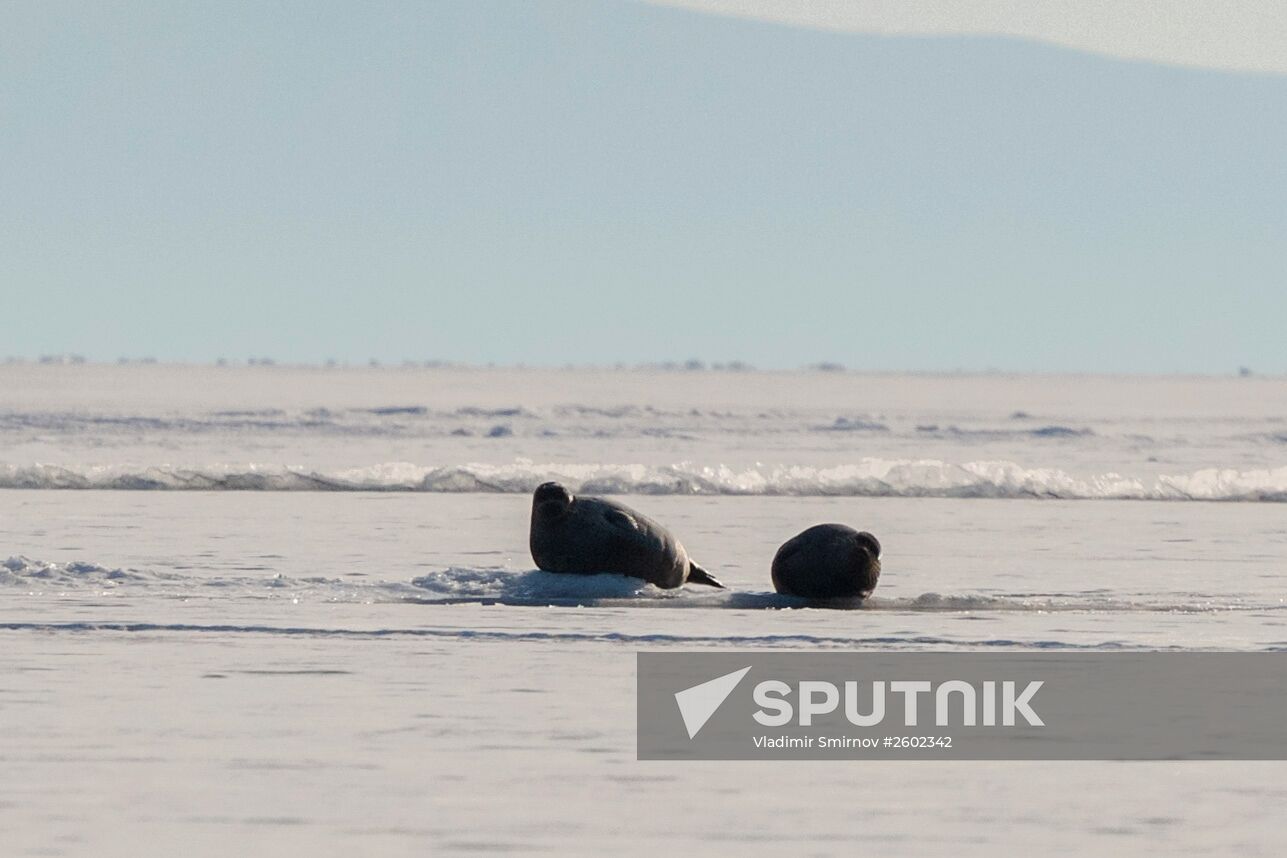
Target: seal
x=828 y=561
x=585 y=535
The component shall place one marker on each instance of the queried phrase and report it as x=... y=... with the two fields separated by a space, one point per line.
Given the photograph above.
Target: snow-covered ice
x=190 y=669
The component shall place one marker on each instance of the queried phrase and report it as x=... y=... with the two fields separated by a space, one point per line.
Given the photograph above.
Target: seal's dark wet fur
x=584 y=535
x=828 y=561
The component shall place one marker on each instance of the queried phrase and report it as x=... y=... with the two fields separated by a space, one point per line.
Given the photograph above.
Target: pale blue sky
x=603 y=181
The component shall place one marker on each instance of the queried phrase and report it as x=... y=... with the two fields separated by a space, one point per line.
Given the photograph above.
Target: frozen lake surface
x=377 y=668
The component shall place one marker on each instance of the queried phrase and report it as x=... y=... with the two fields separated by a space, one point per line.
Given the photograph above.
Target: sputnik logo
x=698 y=704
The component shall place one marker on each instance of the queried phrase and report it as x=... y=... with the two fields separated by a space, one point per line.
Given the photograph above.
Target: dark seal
x=588 y=535
x=828 y=561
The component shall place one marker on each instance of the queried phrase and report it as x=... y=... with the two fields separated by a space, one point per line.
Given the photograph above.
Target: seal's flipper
x=698 y=575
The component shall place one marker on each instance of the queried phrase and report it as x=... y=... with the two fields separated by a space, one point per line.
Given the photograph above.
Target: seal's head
x=867 y=562
x=550 y=501
x=866 y=540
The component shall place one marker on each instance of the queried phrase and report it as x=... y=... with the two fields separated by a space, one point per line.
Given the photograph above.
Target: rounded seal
x=828 y=561
x=585 y=535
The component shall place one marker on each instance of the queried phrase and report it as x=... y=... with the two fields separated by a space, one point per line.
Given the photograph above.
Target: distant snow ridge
x=23 y=571
x=866 y=478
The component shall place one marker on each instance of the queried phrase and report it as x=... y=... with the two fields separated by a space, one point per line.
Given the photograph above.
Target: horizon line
x=691 y=365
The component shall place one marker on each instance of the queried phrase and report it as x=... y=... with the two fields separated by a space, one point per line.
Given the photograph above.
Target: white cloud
x=1238 y=35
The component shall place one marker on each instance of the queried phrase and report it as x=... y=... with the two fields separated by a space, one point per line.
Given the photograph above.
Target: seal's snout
x=551 y=502
x=551 y=492
x=866 y=540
